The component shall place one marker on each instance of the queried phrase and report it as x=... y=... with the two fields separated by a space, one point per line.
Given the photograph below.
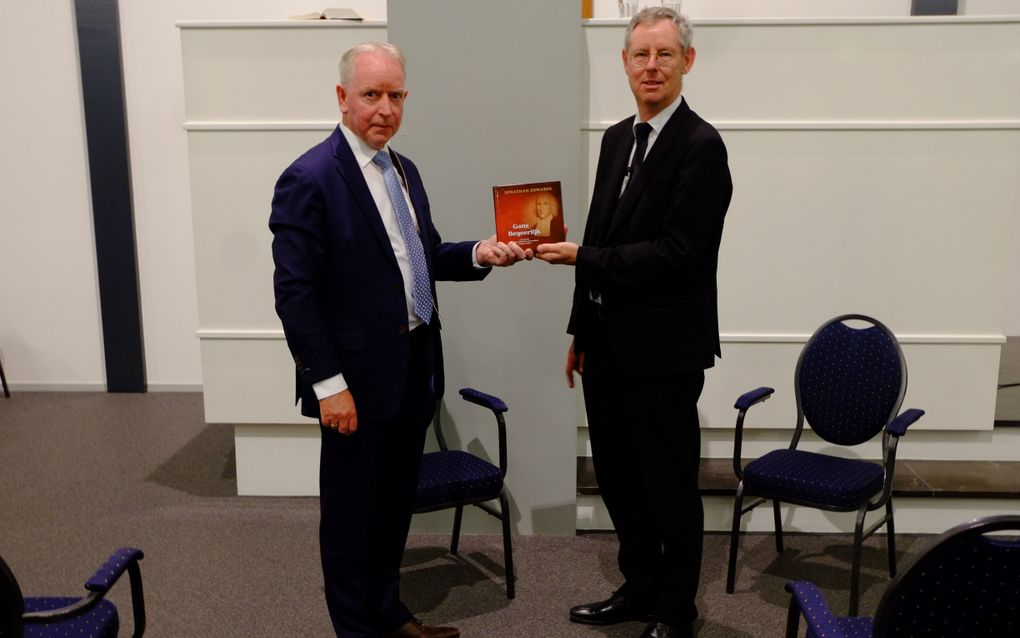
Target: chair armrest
x=498 y=408
x=113 y=568
x=748 y=399
x=743 y=403
x=124 y=559
x=485 y=400
x=899 y=425
x=808 y=600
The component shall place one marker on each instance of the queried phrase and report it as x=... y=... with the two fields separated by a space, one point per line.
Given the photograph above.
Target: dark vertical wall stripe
x=106 y=132
x=934 y=7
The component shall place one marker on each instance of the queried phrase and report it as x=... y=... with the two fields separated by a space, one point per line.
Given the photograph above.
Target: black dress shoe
x=618 y=608
x=662 y=630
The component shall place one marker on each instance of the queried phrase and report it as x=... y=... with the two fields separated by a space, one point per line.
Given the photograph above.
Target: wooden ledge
x=920 y=479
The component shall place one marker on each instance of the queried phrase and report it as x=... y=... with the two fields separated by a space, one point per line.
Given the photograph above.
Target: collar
x=363 y=153
x=660 y=118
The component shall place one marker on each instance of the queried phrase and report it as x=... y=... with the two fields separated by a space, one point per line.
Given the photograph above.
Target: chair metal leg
x=855 y=565
x=456 y=529
x=508 y=553
x=734 y=539
x=3 y=381
x=890 y=535
x=779 y=526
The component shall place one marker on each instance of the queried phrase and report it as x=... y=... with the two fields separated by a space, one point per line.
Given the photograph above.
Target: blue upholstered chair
x=91 y=616
x=849 y=385
x=967 y=584
x=453 y=479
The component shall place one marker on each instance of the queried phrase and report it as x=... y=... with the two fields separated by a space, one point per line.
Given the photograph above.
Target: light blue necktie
x=422 y=287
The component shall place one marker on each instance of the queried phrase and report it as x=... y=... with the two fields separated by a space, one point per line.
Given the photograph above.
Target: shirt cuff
x=329 y=387
x=474 y=258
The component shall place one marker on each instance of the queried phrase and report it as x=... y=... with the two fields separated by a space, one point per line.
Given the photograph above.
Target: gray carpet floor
x=83 y=474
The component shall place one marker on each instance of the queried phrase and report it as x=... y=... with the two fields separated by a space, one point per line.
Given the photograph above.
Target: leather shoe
x=662 y=630
x=414 y=628
x=618 y=608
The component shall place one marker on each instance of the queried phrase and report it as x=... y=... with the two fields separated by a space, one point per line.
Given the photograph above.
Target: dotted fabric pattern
x=966 y=586
x=99 y=622
x=112 y=569
x=421 y=287
x=816 y=478
x=849 y=382
x=821 y=622
x=454 y=476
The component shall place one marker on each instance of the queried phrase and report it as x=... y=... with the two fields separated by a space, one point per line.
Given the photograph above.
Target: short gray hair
x=652 y=15
x=351 y=54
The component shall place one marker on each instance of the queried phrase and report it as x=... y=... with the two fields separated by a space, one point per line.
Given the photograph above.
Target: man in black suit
x=645 y=326
x=357 y=257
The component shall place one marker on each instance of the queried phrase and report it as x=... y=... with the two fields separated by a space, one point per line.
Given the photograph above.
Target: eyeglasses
x=665 y=59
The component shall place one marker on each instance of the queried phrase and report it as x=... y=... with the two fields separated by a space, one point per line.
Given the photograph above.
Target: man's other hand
x=338 y=413
x=496 y=253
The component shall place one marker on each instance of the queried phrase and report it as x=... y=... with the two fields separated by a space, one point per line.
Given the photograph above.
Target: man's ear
x=689 y=59
x=341 y=97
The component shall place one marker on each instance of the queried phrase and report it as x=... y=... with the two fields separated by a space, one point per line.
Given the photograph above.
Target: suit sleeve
x=299 y=253
x=693 y=212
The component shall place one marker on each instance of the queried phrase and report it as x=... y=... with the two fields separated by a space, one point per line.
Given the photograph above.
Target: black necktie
x=641 y=132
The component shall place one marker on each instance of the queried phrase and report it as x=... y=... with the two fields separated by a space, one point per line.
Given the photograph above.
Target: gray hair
x=351 y=54
x=652 y=15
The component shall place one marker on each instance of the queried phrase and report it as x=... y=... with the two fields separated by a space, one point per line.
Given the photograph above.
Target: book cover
x=529 y=214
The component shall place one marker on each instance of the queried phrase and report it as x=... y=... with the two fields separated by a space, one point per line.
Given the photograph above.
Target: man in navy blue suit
x=646 y=326
x=357 y=257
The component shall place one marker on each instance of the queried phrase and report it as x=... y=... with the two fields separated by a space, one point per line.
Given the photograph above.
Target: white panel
x=249 y=381
x=913 y=515
x=284 y=73
x=232 y=178
x=49 y=318
x=998 y=444
x=793 y=72
x=608 y=9
x=912 y=227
x=953 y=383
x=277 y=460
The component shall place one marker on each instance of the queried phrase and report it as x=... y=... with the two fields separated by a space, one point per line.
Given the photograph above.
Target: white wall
x=49 y=312
x=50 y=334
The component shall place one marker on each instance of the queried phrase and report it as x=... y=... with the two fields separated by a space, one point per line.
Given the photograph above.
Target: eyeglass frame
x=676 y=56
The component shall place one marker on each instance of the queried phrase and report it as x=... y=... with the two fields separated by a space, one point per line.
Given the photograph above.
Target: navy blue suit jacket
x=339 y=292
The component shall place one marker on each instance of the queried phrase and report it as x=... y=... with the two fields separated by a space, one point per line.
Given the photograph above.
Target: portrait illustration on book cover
x=529 y=214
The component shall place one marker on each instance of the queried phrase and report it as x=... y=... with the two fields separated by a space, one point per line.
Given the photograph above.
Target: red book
x=529 y=214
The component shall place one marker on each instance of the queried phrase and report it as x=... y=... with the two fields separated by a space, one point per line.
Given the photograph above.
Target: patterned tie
x=422 y=288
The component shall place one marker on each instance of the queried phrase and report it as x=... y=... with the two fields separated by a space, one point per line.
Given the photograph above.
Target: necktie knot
x=642 y=130
x=382 y=160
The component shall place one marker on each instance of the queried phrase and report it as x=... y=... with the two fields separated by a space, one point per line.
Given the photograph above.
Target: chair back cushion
x=850 y=381
x=11 y=603
x=967 y=584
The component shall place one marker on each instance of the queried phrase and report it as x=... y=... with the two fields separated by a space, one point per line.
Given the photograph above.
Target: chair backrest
x=850 y=381
x=12 y=605
x=966 y=584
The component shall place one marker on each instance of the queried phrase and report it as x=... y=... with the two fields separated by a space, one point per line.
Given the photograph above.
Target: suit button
x=402 y=330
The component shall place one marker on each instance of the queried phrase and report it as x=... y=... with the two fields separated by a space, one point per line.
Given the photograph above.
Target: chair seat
x=814 y=478
x=454 y=476
x=99 y=622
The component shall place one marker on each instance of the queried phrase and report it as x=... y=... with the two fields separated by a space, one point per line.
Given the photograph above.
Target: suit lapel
x=664 y=143
x=605 y=213
x=351 y=173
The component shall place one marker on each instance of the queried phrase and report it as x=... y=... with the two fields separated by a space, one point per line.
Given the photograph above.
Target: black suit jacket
x=339 y=291
x=652 y=254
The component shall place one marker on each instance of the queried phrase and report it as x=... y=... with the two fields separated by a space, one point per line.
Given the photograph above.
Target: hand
x=496 y=253
x=574 y=362
x=564 y=252
x=338 y=412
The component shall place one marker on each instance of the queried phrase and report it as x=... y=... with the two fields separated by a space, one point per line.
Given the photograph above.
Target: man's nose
x=385 y=105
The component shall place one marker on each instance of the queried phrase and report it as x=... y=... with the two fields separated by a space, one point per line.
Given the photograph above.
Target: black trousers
x=367 y=485
x=646 y=447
